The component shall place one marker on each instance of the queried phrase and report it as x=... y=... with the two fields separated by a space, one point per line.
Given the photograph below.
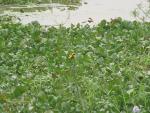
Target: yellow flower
x=72 y=56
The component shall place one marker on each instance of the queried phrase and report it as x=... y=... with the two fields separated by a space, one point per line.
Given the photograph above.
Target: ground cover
x=80 y=69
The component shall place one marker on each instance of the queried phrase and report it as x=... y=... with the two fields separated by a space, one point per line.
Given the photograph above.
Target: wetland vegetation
x=78 y=69
x=39 y=1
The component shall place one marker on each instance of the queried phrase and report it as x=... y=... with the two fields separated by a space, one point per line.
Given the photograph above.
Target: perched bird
x=72 y=56
x=90 y=20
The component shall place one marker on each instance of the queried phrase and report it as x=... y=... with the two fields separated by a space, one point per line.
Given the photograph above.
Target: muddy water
x=55 y=14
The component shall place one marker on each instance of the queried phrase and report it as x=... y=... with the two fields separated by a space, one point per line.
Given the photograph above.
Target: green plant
x=39 y=1
x=80 y=69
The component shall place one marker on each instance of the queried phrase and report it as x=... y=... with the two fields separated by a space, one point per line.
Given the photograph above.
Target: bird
x=90 y=20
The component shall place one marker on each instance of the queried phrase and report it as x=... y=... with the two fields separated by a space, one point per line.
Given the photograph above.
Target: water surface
x=55 y=14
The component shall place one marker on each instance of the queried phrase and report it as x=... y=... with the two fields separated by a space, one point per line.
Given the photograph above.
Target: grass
x=39 y=1
x=103 y=69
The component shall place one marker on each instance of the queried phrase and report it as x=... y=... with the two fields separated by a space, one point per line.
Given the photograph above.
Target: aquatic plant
x=79 y=69
x=39 y=1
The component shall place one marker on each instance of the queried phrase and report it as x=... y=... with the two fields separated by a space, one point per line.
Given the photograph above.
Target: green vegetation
x=103 y=69
x=39 y=1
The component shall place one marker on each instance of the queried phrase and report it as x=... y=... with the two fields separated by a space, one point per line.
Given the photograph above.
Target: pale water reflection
x=55 y=14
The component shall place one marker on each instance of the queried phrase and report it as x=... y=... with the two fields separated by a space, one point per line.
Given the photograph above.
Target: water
x=56 y=14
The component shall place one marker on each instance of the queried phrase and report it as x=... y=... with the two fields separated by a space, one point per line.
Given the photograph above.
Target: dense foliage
x=39 y=1
x=103 y=69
